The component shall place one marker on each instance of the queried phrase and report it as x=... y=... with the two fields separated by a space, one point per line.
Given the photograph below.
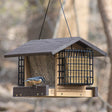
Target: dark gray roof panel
x=53 y=46
x=97 y=51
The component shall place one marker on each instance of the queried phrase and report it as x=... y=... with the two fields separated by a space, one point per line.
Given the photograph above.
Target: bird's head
x=42 y=78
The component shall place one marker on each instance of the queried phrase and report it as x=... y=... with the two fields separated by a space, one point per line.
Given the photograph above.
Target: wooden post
x=26 y=69
x=55 y=75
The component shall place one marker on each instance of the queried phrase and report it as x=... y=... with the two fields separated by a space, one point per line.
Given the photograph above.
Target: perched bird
x=35 y=80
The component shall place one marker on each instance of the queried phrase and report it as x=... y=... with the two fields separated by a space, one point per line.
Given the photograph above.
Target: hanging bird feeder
x=61 y=67
x=70 y=74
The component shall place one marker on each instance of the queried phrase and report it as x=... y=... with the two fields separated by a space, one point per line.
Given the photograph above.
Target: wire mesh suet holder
x=75 y=67
x=21 y=71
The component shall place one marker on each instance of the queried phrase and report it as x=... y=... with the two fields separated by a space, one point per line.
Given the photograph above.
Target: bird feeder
x=67 y=64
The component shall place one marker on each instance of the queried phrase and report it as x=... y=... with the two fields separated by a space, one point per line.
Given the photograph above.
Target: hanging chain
x=44 y=19
x=65 y=18
x=46 y=16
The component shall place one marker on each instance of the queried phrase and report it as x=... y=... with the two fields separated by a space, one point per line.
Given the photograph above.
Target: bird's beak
x=44 y=80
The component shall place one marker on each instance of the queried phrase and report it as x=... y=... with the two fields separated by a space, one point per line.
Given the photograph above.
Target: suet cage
x=75 y=67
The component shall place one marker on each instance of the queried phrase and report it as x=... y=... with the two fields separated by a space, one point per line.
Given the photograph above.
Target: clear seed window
x=75 y=67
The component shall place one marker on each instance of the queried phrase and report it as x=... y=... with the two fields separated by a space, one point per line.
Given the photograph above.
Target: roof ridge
x=54 y=38
x=64 y=46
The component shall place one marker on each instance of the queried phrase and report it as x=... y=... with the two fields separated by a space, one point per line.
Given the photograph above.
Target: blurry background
x=21 y=20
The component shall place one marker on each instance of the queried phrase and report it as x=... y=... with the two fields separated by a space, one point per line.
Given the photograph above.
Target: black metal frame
x=75 y=67
x=21 y=71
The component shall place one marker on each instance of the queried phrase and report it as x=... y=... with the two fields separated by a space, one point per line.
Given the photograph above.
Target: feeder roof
x=52 y=46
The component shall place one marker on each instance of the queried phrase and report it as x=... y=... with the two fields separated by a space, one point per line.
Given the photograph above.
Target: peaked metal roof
x=52 y=46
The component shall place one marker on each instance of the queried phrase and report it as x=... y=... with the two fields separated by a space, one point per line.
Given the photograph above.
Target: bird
x=35 y=80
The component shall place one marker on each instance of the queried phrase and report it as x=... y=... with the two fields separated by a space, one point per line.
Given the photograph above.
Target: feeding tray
x=45 y=91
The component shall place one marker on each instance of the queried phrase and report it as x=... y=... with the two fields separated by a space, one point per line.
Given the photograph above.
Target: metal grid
x=75 y=67
x=21 y=71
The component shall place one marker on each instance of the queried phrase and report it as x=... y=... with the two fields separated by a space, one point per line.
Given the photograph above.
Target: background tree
x=105 y=7
x=75 y=9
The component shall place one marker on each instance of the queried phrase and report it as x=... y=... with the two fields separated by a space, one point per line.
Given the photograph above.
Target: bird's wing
x=30 y=79
x=37 y=79
x=34 y=78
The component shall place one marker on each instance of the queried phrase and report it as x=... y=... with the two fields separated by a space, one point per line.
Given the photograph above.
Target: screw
x=61 y=93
